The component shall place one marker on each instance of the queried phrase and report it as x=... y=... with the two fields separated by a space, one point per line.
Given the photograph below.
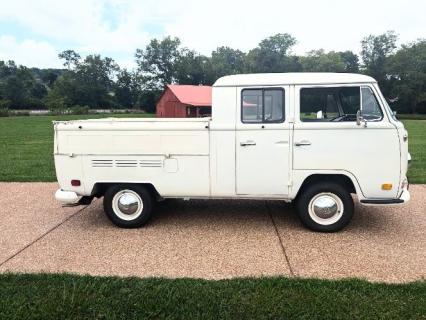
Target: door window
x=336 y=104
x=262 y=105
x=329 y=104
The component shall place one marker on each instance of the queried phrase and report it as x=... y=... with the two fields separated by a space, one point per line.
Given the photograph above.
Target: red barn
x=185 y=101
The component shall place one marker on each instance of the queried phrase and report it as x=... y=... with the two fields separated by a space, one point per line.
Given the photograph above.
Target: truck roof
x=270 y=79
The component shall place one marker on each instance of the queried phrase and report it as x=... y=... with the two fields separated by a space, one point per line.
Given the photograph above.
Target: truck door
x=328 y=137
x=262 y=141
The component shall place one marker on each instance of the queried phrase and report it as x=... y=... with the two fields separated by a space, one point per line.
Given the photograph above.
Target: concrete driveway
x=208 y=239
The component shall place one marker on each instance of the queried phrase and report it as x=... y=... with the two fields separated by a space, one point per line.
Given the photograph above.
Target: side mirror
x=320 y=115
x=360 y=119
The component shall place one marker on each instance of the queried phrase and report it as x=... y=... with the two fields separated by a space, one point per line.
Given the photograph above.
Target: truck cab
x=318 y=139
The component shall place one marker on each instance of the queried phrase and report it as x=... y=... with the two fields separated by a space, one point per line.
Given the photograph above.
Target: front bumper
x=403 y=198
x=66 y=197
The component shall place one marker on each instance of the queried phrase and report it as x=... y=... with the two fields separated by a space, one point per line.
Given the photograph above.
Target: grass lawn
x=26 y=147
x=417 y=147
x=411 y=116
x=81 y=297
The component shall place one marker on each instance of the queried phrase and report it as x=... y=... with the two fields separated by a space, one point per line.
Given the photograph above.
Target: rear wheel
x=325 y=207
x=128 y=206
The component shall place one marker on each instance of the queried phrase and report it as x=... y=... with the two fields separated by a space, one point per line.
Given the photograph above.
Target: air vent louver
x=126 y=163
x=150 y=163
x=153 y=163
x=102 y=163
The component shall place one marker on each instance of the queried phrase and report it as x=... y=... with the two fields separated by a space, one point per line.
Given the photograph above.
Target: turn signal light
x=387 y=186
x=75 y=183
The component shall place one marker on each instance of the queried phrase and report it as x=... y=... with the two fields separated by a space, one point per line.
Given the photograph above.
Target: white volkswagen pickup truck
x=311 y=138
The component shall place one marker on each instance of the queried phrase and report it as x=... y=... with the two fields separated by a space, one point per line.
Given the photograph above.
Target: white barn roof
x=270 y=79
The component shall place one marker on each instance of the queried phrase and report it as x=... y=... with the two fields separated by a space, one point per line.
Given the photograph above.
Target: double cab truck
x=318 y=139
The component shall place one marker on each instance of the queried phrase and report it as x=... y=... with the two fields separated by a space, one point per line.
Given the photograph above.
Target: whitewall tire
x=325 y=207
x=128 y=206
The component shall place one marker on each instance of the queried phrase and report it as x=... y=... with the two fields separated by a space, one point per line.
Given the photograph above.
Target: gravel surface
x=27 y=211
x=208 y=239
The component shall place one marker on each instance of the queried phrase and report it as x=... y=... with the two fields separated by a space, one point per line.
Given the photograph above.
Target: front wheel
x=325 y=207
x=128 y=206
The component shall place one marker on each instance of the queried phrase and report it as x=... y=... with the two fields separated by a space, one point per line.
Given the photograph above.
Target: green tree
x=165 y=61
x=49 y=76
x=147 y=99
x=88 y=82
x=193 y=68
x=408 y=72
x=375 y=53
x=157 y=63
x=319 y=61
x=19 y=87
x=126 y=89
x=226 y=61
x=94 y=76
x=350 y=60
x=70 y=57
x=280 y=43
x=55 y=100
x=273 y=55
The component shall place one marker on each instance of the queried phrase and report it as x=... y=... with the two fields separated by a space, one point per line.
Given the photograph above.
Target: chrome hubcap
x=326 y=208
x=127 y=204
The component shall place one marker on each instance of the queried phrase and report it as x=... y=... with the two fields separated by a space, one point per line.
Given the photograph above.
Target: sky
x=32 y=33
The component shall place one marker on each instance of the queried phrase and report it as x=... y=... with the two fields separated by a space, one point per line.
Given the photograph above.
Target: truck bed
x=164 y=152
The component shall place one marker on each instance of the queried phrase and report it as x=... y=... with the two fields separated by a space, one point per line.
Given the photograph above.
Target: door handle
x=302 y=143
x=247 y=143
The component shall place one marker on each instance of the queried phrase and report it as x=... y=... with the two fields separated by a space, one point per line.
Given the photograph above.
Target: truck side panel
x=172 y=177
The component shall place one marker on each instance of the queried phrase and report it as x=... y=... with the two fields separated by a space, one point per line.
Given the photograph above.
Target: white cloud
x=29 y=52
x=117 y=27
x=328 y=24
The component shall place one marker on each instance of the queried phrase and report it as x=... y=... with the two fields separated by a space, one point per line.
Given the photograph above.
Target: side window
x=329 y=104
x=370 y=106
x=262 y=105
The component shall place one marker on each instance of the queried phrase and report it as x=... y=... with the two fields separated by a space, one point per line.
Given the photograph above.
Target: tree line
x=99 y=82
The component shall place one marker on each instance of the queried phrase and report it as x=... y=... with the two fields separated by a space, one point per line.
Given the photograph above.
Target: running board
x=382 y=201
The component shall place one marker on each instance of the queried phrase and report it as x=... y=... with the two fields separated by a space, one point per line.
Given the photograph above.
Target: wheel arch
x=344 y=179
x=99 y=188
